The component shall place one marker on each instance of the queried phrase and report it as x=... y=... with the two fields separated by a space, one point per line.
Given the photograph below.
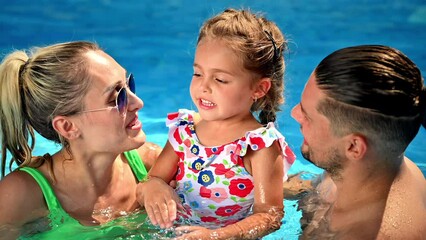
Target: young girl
x=226 y=160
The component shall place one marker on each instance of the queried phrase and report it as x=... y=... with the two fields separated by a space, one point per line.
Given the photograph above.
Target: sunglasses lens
x=122 y=101
x=122 y=95
x=131 y=83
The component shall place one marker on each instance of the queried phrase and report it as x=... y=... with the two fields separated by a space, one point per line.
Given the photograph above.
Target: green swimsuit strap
x=52 y=201
x=50 y=197
x=136 y=164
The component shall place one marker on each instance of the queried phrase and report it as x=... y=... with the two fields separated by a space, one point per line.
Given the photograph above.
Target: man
x=360 y=109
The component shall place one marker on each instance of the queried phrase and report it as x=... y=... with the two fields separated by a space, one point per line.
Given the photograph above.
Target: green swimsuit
x=63 y=226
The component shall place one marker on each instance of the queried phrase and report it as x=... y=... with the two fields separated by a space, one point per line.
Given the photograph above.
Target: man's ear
x=261 y=88
x=356 y=147
x=66 y=127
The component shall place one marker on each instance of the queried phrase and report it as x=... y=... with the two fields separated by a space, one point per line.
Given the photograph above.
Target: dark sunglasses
x=122 y=100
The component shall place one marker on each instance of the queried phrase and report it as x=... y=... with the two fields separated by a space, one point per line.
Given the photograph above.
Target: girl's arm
x=267 y=170
x=158 y=198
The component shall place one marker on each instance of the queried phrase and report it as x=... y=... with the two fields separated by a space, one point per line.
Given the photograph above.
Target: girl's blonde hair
x=260 y=45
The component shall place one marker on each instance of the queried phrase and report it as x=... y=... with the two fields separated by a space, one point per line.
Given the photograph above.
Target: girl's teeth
x=207 y=103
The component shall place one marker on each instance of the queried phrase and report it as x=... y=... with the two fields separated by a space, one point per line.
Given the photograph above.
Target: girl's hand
x=160 y=201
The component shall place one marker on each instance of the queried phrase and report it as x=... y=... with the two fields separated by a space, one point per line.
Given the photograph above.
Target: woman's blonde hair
x=35 y=87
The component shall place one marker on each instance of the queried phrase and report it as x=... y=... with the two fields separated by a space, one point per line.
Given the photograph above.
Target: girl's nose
x=205 y=85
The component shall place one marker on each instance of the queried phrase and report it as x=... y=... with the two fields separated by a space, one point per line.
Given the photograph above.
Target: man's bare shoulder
x=405 y=211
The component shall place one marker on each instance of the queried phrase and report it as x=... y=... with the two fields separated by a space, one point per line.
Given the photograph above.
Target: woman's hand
x=160 y=201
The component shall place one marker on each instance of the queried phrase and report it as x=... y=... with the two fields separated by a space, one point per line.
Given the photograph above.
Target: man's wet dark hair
x=374 y=90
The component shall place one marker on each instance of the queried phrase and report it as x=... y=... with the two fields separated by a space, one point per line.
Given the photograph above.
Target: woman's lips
x=135 y=124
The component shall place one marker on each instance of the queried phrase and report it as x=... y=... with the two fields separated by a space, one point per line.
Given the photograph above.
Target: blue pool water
x=156 y=40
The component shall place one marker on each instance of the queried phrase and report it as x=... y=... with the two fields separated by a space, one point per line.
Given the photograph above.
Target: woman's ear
x=356 y=147
x=65 y=127
x=261 y=88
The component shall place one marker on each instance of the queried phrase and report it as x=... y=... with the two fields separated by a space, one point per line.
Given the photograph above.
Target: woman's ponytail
x=15 y=130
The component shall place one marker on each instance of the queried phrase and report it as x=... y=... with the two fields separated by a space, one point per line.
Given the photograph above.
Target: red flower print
x=172 y=116
x=208 y=219
x=188 y=131
x=218 y=195
x=180 y=172
x=238 y=160
x=176 y=136
x=290 y=157
x=190 y=118
x=240 y=187
x=187 y=142
x=257 y=143
x=228 y=210
x=229 y=174
x=181 y=155
x=205 y=192
x=219 y=168
x=238 y=149
x=215 y=150
x=236 y=154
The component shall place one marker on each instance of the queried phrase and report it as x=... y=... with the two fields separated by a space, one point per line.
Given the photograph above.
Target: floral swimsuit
x=215 y=188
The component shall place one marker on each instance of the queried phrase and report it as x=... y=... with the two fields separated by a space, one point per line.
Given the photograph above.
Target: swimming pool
x=155 y=40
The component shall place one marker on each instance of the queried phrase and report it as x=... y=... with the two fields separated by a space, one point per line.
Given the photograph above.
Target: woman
x=78 y=96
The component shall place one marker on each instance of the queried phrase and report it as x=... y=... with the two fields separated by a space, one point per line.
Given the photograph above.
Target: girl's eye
x=197 y=75
x=220 y=80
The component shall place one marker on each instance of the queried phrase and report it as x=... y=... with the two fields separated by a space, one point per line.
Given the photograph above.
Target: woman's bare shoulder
x=149 y=153
x=19 y=183
x=21 y=199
